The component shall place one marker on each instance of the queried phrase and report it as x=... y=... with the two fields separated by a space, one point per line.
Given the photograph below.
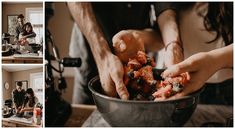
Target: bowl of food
x=138 y=113
x=146 y=107
x=35 y=47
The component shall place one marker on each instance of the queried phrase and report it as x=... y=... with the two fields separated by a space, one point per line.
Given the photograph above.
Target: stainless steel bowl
x=130 y=113
x=35 y=47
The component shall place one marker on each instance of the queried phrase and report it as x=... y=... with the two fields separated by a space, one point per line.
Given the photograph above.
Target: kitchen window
x=35 y=17
x=36 y=83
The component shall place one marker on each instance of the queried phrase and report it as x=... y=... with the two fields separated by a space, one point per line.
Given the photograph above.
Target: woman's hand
x=127 y=43
x=200 y=66
x=167 y=22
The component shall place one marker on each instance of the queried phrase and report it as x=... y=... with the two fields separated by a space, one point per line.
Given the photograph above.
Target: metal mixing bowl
x=130 y=113
x=35 y=47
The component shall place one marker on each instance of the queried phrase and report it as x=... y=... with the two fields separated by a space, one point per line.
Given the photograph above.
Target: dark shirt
x=18 y=97
x=29 y=35
x=112 y=18
x=116 y=16
x=19 y=29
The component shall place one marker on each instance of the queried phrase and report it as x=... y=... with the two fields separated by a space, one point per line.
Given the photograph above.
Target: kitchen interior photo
x=22 y=96
x=22 y=32
x=211 y=105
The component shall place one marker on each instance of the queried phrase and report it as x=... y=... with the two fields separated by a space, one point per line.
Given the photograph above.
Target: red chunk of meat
x=134 y=64
x=182 y=79
x=162 y=92
x=147 y=74
x=141 y=57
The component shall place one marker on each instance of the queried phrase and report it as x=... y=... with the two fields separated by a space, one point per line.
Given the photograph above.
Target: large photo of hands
x=139 y=64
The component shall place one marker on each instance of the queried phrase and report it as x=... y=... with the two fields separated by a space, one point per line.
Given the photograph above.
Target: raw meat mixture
x=141 y=83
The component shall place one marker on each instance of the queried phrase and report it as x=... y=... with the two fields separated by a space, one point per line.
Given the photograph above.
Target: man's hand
x=127 y=43
x=18 y=109
x=109 y=66
x=23 y=41
x=111 y=77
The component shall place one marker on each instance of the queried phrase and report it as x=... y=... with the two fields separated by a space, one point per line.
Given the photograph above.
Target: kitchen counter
x=13 y=59
x=203 y=114
x=80 y=113
x=18 y=122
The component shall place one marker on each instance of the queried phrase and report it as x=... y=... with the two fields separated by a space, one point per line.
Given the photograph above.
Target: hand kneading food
x=141 y=83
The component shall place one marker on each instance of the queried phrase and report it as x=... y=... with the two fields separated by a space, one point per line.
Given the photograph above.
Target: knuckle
x=123 y=31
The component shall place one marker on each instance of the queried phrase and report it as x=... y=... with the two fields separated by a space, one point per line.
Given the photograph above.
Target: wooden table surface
x=203 y=114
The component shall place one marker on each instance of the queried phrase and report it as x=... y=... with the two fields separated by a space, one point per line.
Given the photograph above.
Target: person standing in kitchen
x=18 y=96
x=19 y=28
x=206 y=30
x=209 y=48
x=29 y=102
x=99 y=22
x=28 y=35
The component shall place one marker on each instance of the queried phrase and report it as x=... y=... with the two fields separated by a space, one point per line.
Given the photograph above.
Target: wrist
x=102 y=56
x=99 y=47
x=139 y=35
x=216 y=64
x=217 y=60
x=173 y=45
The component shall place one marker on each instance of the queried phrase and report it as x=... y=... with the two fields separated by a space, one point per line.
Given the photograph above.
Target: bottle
x=37 y=114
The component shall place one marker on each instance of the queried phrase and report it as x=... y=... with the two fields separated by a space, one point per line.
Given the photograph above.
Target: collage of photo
x=117 y=64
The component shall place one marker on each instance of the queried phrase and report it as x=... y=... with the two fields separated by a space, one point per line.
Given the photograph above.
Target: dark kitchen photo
x=22 y=96
x=22 y=32
x=139 y=64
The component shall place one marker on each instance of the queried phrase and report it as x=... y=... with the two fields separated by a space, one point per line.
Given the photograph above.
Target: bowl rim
x=194 y=94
